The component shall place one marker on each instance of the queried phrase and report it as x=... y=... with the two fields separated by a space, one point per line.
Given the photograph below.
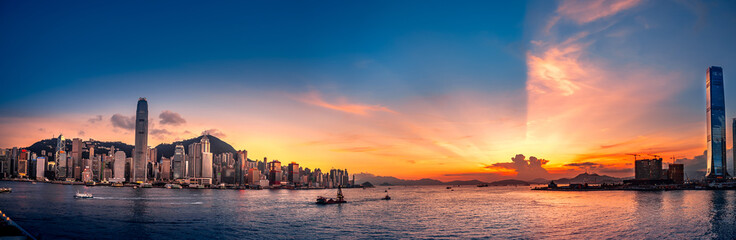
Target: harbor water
x=50 y=211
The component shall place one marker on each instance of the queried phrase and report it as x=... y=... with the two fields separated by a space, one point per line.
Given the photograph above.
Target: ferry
x=340 y=198
x=83 y=195
x=117 y=184
x=172 y=186
x=4 y=190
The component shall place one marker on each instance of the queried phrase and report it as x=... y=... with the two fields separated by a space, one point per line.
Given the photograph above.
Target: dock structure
x=10 y=230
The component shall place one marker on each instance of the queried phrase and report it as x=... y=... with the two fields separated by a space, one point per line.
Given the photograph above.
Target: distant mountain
x=468 y=182
x=100 y=147
x=589 y=178
x=509 y=182
x=386 y=181
x=389 y=181
x=217 y=146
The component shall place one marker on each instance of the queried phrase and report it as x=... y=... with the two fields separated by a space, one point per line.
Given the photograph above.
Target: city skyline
x=412 y=99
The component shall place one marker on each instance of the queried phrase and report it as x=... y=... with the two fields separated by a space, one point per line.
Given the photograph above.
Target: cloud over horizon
x=122 y=121
x=171 y=118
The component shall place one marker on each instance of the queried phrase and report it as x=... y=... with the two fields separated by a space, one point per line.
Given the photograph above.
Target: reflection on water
x=414 y=212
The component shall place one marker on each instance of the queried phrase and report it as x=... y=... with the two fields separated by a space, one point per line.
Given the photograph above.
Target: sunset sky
x=411 y=89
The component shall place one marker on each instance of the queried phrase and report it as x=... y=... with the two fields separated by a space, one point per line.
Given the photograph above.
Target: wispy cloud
x=585 y=11
x=341 y=104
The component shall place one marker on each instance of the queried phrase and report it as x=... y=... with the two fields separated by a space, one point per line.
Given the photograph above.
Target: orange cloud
x=315 y=98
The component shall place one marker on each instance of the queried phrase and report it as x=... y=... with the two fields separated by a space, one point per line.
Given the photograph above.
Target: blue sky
x=405 y=88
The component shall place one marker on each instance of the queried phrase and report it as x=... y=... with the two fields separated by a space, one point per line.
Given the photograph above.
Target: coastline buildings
x=141 y=142
x=716 y=121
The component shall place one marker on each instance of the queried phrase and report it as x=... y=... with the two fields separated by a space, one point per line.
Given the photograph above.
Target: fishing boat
x=4 y=190
x=386 y=197
x=340 y=198
x=83 y=195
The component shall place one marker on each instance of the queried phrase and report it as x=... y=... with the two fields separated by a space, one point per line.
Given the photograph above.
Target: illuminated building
x=716 y=121
x=141 y=142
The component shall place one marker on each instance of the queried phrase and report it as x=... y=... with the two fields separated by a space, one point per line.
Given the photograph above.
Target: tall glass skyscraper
x=716 y=118
x=141 y=141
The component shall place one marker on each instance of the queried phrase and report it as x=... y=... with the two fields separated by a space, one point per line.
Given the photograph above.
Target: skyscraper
x=141 y=141
x=206 y=158
x=60 y=160
x=716 y=119
x=178 y=163
x=733 y=143
x=119 y=167
x=73 y=166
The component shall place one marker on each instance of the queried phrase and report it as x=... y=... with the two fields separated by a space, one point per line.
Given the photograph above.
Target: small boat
x=386 y=197
x=117 y=184
x=340 y=198
x=483 y=185
x=4 y=190
x=449 y=187
x=90 y=183
x=146 y=185
x=83 y=195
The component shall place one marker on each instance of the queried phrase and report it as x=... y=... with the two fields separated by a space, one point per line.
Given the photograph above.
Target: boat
x=145 y=185
x=4 y=190
x=83 y=195
x=386 y=197
x=90 y=183
x=117 y=184
x=340 y=198
x=483 y=185
x=172 y=186
x=449 y=187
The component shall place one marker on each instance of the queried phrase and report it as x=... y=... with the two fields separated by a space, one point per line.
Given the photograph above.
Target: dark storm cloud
x=124 y=122
x=171 y=118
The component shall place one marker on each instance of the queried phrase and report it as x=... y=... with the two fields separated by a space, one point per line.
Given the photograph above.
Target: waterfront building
x=733 y=144
x=254 y=176
x=648 y=169
x=274 y=176
x=40 y=168
x=60 y=160
x=676 y=173
x=195 y=160
x=207 y=165
x=716 y=121
x=165 y=169
x=240 y=167
x=118 y=167
x=178 y=162
x=141 y=142
x=293 y=173
x=87 y=175
x=73 y=166
x=22 y=168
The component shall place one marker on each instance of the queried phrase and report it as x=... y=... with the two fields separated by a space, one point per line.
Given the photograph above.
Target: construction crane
x=674 y=158
x=654 y=155
x=634 y=154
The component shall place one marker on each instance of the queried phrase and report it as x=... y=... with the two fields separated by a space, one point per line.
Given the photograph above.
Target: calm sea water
x=51 y=212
